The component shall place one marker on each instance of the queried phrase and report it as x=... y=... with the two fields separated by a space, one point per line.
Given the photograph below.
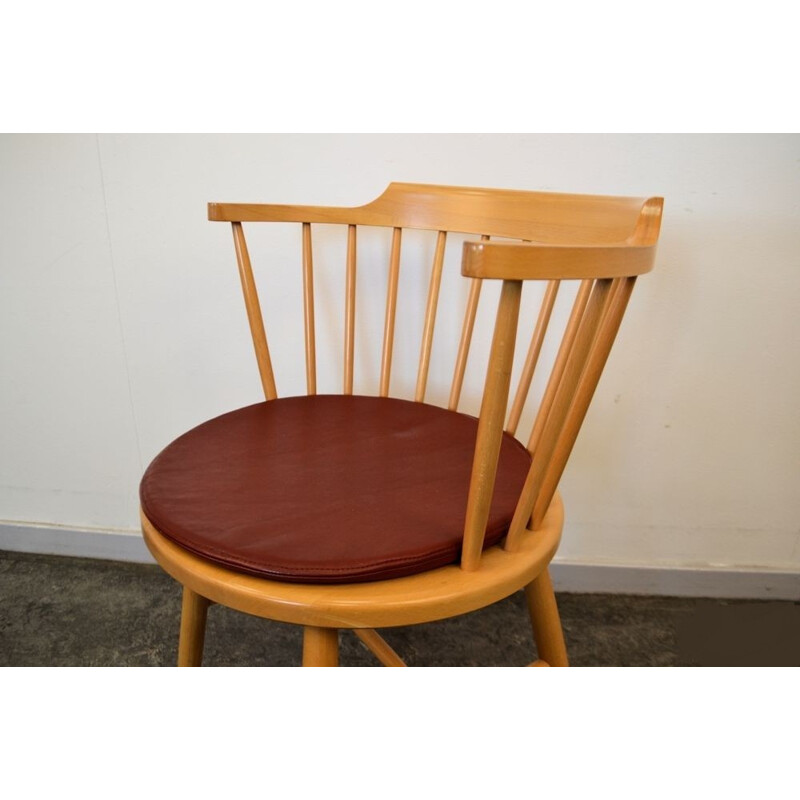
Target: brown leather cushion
x=327 y=489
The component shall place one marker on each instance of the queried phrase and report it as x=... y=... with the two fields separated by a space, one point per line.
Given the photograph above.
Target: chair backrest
x=604 y=243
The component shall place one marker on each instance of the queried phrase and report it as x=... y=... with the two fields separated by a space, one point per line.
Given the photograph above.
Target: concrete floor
x=57 y=611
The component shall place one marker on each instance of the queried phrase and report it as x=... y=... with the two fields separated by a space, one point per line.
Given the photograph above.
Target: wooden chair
x=336 y=512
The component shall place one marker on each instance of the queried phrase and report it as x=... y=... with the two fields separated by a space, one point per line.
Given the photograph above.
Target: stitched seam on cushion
x=358 y=570
x=230 y=558
x=387 y=562
x=410 y=561
x=364 y=575
x=365 y=571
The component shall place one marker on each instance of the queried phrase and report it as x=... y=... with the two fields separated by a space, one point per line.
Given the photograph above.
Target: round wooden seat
x=327 y=488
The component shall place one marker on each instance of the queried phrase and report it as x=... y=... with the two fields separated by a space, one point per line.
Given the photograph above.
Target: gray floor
x=58 y=611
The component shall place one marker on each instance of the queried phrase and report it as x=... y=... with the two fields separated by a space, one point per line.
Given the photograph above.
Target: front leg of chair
x=193 y=629
x=547 y=630
x=320 y=647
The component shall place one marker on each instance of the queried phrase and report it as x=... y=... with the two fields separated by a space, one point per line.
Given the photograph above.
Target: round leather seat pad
x=328 y=488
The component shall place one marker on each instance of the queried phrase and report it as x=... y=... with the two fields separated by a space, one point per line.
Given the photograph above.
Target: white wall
x=121 y=323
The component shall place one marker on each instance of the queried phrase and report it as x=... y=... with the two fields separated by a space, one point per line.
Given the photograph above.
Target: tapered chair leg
x=547 y=631
x=320 y=647
x=193 y=629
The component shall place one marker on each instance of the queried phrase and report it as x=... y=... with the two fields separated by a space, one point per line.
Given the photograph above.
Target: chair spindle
x=391 y=309
x=575 y=363
x=430 y=317
x=583 y=395
x=466 y=339
x=350 y=310
x=578 y=308
x=308 y=311
x=490 y=424
x=532 y=358
x=254 y=317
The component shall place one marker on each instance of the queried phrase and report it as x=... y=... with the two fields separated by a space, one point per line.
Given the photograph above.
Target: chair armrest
x=523 y=261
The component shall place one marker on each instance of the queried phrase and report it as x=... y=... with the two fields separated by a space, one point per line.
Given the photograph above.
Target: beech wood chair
x=362 y=512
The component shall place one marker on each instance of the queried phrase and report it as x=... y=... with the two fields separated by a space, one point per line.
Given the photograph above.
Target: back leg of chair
x=193 y=628
x=547 y=631
x=320 y=647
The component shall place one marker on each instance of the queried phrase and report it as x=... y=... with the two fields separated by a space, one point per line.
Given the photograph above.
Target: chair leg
x=320 y=647
x=193 y=629
x=546 y=623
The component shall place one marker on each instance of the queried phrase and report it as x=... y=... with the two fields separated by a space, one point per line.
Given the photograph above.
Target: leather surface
x=327 y=489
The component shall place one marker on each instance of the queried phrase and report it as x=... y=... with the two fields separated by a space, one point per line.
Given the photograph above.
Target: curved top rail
x=545 y=217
